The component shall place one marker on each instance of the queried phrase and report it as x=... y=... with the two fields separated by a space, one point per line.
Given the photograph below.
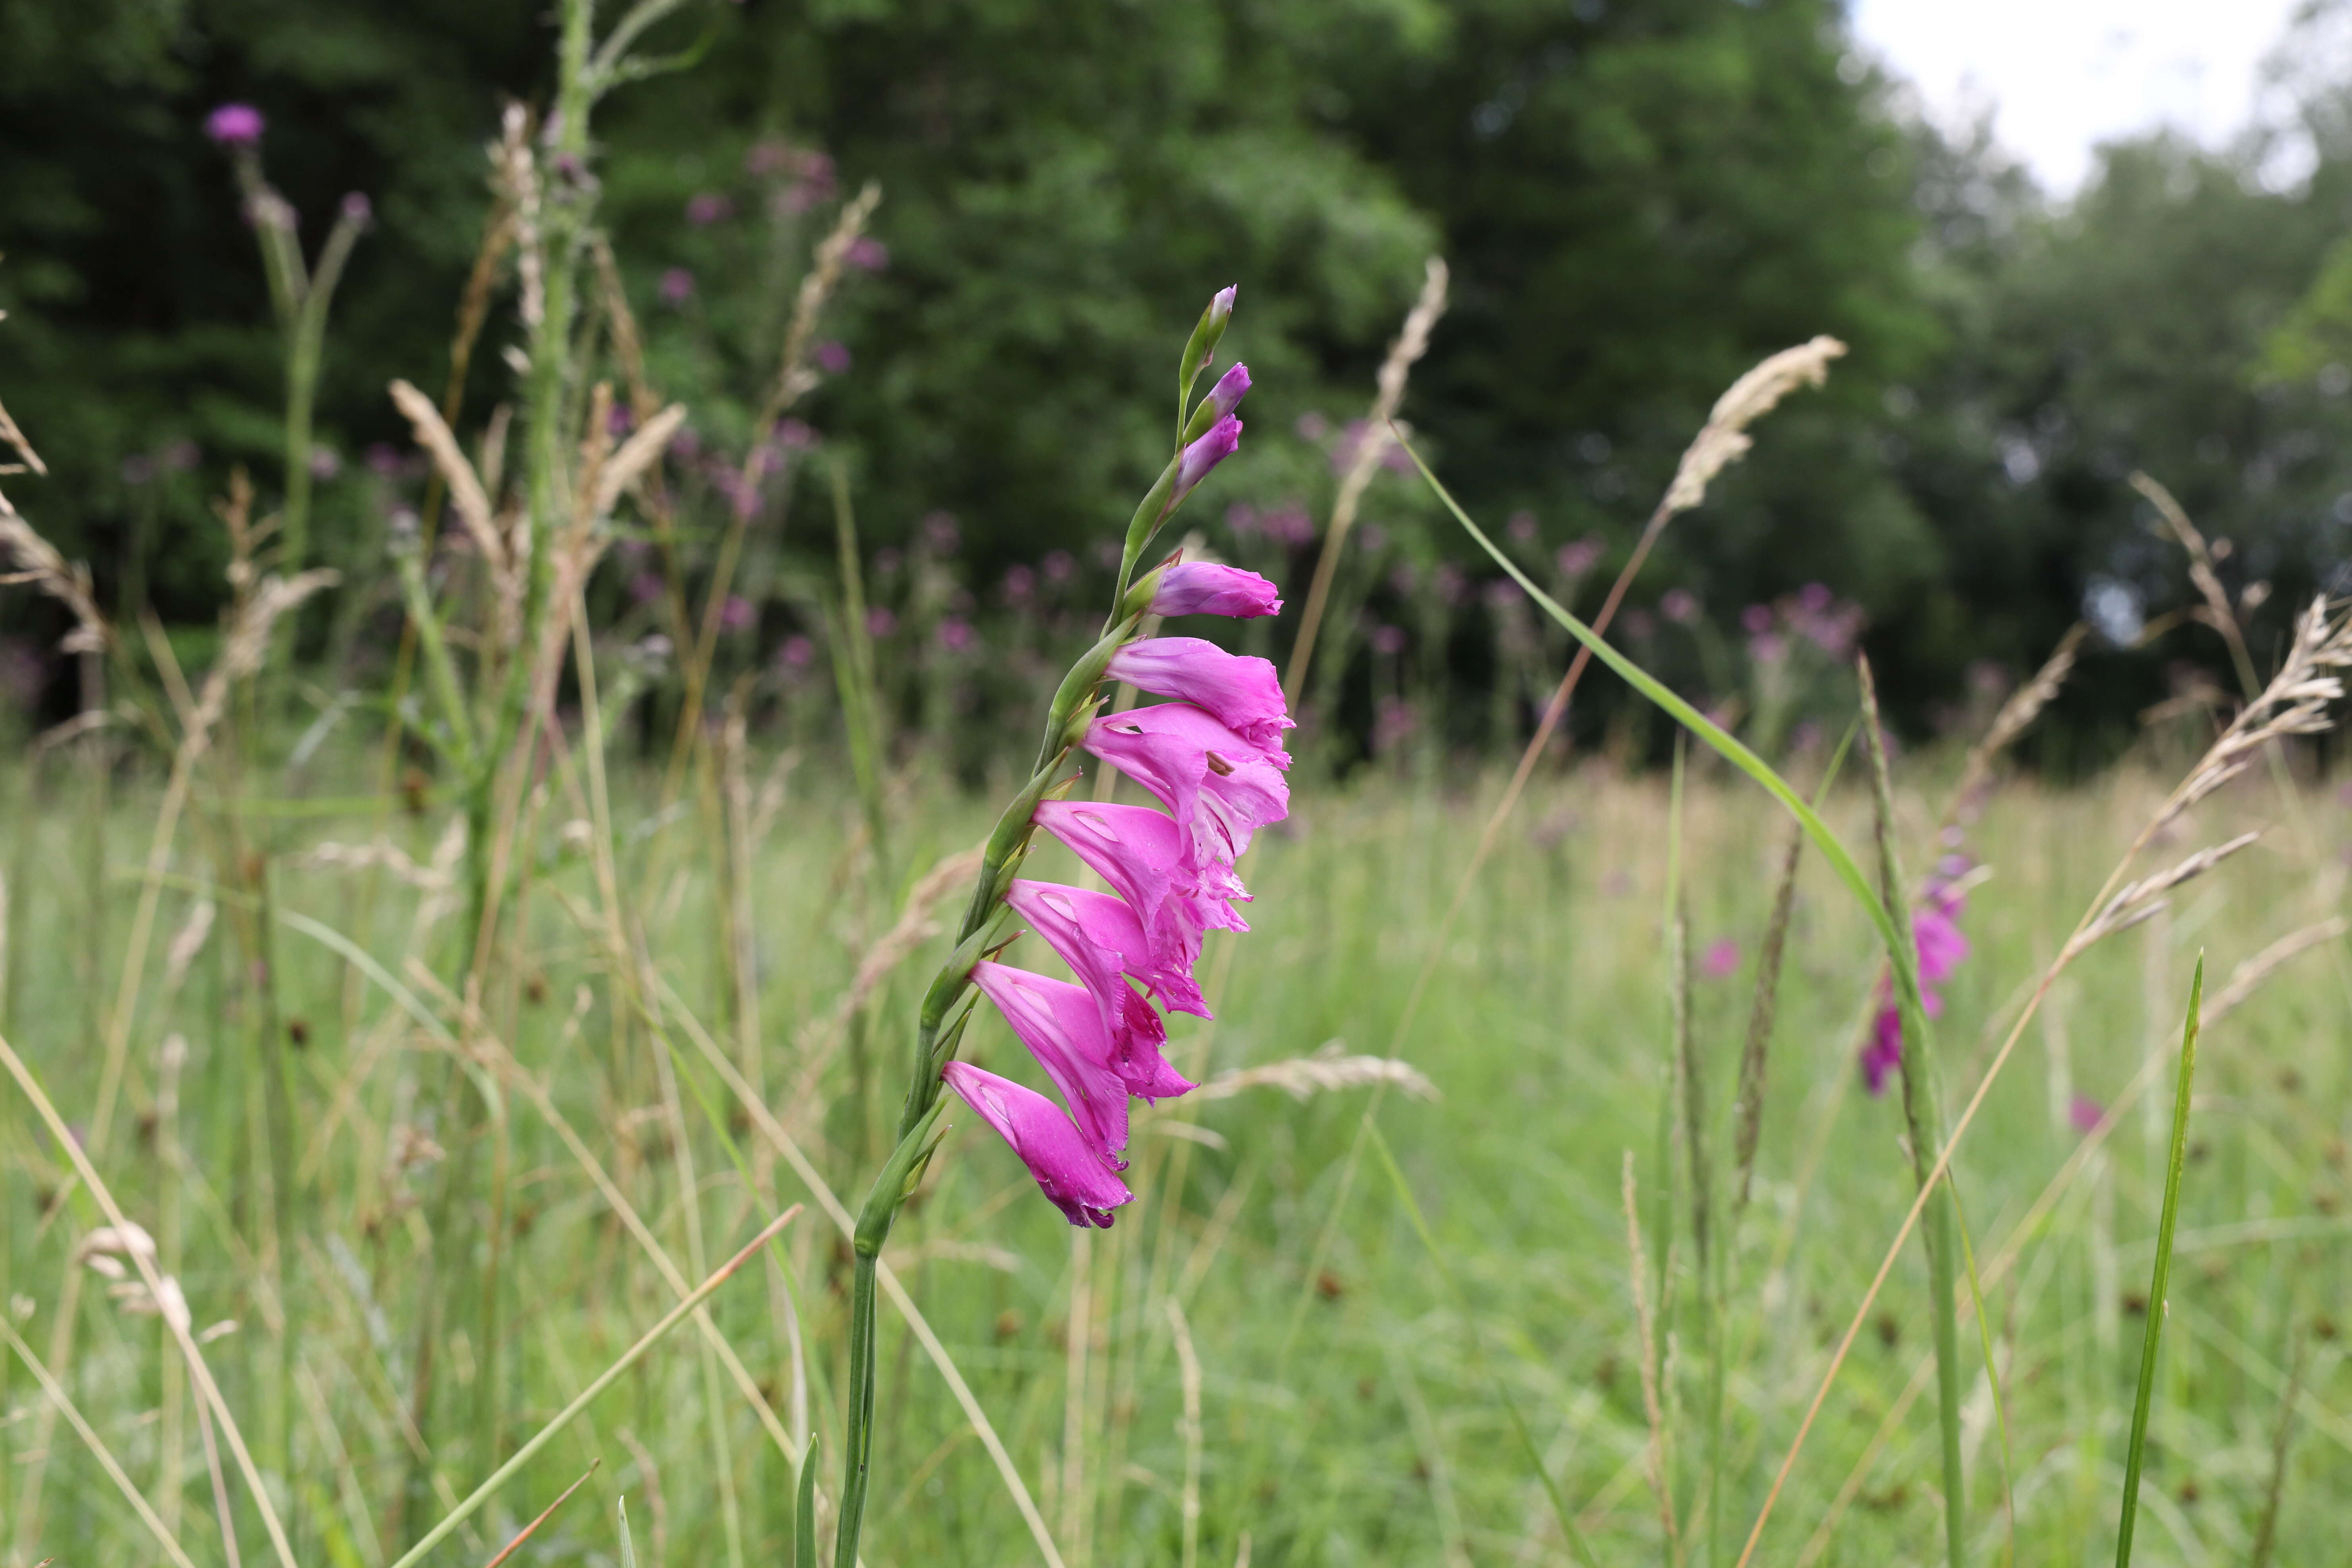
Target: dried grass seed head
x=1724 y=440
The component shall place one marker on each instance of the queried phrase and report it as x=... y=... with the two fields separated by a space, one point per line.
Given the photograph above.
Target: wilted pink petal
x=1064 y=1030
x=1066 y=1171
x=1221 y=787
x=1205 y=588
x=1096 y=934
x=1244 y=693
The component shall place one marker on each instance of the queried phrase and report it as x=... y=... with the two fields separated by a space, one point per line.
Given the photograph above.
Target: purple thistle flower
x=1205 y=454
x=1205 y=588
x=1244 y=693
x=235 y=125
x=1064 y=1030
x=1067 y=1172
x=1221 y=787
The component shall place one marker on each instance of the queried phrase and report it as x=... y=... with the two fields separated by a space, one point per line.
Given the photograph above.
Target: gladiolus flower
x=235 y=125
x=1094 y=933
x=1221 y=305
x=1067 y=1172
x=1064 y=1030
x=1935 y=933
x=1221 y=787
x=1205 y=588
x=1244 y=693
x=1205 y=454
x=1108 y=926
x=1141 y=853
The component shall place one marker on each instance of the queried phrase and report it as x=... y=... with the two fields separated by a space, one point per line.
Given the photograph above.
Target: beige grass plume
x=1724 y=439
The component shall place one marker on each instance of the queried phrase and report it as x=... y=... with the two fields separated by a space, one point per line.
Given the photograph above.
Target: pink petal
x=1067 y=1172
x=1064 y=1030
x=1244 y=693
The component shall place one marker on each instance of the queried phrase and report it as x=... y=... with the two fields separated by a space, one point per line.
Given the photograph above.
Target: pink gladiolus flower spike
x=1244 y=693
x=1067 y=1172
x=1205 y=588
x=1221 y=787
x=1064 y=1030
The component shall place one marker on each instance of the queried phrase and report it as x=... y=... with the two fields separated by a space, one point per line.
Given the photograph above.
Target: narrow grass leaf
x=2135 y=1455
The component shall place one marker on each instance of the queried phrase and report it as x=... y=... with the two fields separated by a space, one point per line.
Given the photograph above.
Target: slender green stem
x=2156 y=1304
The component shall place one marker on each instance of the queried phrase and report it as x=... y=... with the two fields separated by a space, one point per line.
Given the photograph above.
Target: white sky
x=2064 y=75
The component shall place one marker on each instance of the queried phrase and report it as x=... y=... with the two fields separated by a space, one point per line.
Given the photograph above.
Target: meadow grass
x=1355 y=1378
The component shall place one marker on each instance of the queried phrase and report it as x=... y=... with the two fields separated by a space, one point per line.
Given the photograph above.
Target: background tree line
x=1638 y=198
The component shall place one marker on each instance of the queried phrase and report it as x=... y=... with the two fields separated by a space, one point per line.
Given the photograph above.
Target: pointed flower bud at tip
x=1221 y=308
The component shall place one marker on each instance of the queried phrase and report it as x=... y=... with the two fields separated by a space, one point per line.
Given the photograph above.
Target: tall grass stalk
x=2160 y=1277
x=1923 y=1120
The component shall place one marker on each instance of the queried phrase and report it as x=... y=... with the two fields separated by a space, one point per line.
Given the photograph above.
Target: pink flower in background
x=707 y=207
x=179 y=456
x=1205 y=588
x=1680 y=606
x=1069 y=1174
x=235 y=125
x=867 y=254
x=1020 y=585
x=941 y=532
x=955 y=634
x=1221 y=787
x=1936 y=933
x=1064 y=1030
x=1094 y=938
x=2085 y=1113
x=1312 y=426
x=880 y=621
x=767 y=156
x=1388 y=641
x=736 y=612
x=1575 y=560
x=138 y=470
x=676 y=286
x=325 y=463
x=1372 y=538
x=1721 y=960
x=356 y=208
x=1756 y=620
x=1244 y=693
x=645 y=587
x=1521 y=527
x=796 y=653
x=1201 y=456
x=1814 y=598
x=1768 y=649
x=1059 y=566
x=832 y=356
